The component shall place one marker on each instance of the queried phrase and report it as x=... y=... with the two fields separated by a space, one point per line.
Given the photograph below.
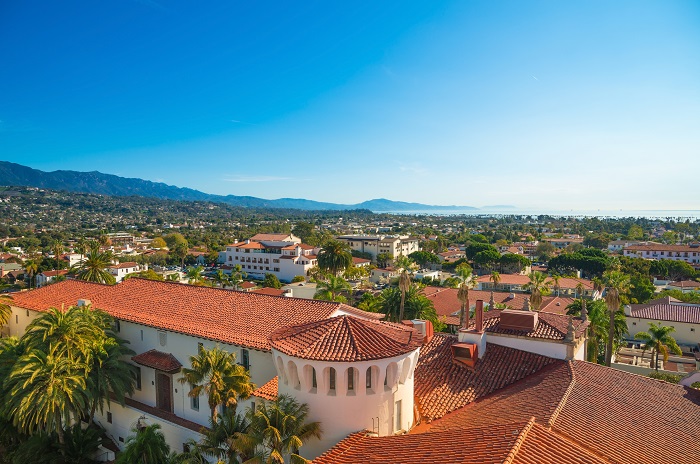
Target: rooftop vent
x=465 y=354
x=518 y=320
x=424 y=328
x=83 y=302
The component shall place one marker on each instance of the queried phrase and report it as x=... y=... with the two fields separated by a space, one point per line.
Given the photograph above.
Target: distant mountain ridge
x=108 y=184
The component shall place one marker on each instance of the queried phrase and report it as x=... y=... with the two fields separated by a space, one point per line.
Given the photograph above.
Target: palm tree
x=658 y=339
x=68 y=334
x=278 y=428
x=31 y=267
x=468 y=280
x=334 y=257
x=417 y=305
x=147 y=445
x=495 y=278
x=94 y=267
x=193 y=455
x=219 y=439
x=617 y=284
x=537 y=287
x=332 y=289
x=57 y=248
x=407 y=266
x=237 y=276
x=580 y=289
x=194 y=274
x=215 y=373
x=81 y=247
x=5 y=308
x=220 y=278
x=46 y=391
x=555 y=283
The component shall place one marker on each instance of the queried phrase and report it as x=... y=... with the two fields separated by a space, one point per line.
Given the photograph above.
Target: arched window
x=331 y=379
x=313 y=378
x=351 y=379
x=368 y=378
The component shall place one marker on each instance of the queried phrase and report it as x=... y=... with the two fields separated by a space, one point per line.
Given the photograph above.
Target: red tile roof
x=267 y=391
x=270 y=237
x=55 y=273
x=507 y=443
x=155 y=359
x=519 y=279
x=549 y=326
x=269 y=291
x=669 y=310
x=356 y=260
x=661 y=247
x=345 y=339
x=239 y=318
x=442 y=386
x=685 y=284
x=126 y=265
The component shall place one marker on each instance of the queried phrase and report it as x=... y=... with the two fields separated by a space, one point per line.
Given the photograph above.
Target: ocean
x=677 y=215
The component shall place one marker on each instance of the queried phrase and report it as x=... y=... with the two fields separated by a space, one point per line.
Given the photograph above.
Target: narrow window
x=16 y=318
x=27 y=313
x=331 y=378
x=109 y=417
x=194 y=400
x=245 y=359
x=368 y=378
x=138 y=378
x=351 y=379
x=162 y=338
x=313 y=378
x=117 y=326
x=142 y=335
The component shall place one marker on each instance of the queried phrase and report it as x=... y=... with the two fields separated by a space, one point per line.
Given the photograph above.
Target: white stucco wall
x=342 y=412
x=552 y=349
x=685 y=334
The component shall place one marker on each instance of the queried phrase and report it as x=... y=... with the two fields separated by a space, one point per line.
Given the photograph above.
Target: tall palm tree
x=215 y=373
x=237 y=276
x=332 y=289
x=279 y=428
x=617 y=284
x=495 y=278
x=468 y=280
x=334 y=257
x=407 y=266
x=31 y=267
x=94 y=267
x=537 y=287
x=194 y=274
x=147 y=445
x=57 y=249
x=555 y=283
x=46 y=391
x=220 y=278
x=66 y=334
x=658 y=339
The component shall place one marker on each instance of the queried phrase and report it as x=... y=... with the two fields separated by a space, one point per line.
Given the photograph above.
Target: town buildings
x=688 y=253
x=394 y=245
x=266 y=254
x=511 y=384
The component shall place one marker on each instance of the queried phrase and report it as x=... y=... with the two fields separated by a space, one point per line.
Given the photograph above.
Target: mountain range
x=12 y=174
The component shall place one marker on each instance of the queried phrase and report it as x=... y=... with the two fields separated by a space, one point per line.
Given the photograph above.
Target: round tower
x=354 y=374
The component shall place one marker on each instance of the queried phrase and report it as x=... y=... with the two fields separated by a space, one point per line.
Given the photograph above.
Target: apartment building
x=284 y=259
x=688 y=253
x=395 y=245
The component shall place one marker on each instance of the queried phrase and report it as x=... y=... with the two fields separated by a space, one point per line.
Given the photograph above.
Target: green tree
x=215 y=373
x=147 y=445
x=384 y=259
x=279 y=428
x=642 y=290
x=194 y=274
x=467 y=281
x=5 y=308
x=538 y=287
x=370 y=302
x=31 y=267
x=617 y=284
x=334 y=257
x=406 y=265
x=272 y=281
x=57 y=249
x=658 y=339
x=237 y=276
x=94 y=267
x=221 y=437
x=599 y=323
x=332 y=289
x=635 y=232
x=416 y=305
x=423 y=258
x=158 y=242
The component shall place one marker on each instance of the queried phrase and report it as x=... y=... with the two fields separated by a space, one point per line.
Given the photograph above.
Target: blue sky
x=557 y=105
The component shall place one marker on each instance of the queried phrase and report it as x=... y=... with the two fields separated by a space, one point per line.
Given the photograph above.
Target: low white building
x=395 y=245
x=668 y=311
x=46 y=277
x=688 y=253
x=284 y=259
x=121 y=270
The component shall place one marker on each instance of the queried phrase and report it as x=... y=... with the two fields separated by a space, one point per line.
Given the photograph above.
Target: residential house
x=688 y=253
x=121 y=270
x=517 y=282
x=47 y=277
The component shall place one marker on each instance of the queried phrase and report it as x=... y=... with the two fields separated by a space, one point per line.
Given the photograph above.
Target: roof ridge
x=565 y=396
x=519 y=441
x=576 y=443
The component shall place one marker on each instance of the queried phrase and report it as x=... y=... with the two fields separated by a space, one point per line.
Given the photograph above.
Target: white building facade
x=285 y=260
x=395 y=245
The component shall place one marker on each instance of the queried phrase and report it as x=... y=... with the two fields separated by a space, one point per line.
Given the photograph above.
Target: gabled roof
x=519 y=279
x=155 y=359
x=524 y=442
x=55 y=273
x=270 y=237
x=667 y=309
x=240 y=318
x=441 y=386
x=345 y=339
x=268 y=391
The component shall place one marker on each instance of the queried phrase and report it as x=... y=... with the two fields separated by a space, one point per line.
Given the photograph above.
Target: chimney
x=584 y=312
x=479 y=316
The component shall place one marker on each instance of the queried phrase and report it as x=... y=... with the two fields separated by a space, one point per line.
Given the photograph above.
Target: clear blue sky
x=553 y=104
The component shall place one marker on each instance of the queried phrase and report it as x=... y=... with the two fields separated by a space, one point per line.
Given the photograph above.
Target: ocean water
x=678 y=215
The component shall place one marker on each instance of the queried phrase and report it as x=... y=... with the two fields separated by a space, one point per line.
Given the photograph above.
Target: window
x=313 y=378
x=117 y=326
x=194 y=400
x=16 y=318
x=162 y=338
x=200 y=347
x=141 y=335
x=397 y=426
x=331 y=378
x=368 y=378
x=245 y=359
x=109 y=417
x=138 y=377
x=351 y=379
x=27 y=313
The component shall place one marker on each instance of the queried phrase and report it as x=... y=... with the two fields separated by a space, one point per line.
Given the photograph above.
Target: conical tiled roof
x=345 y=339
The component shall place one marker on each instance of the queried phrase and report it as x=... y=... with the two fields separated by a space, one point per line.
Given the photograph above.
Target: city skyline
x=583 y=106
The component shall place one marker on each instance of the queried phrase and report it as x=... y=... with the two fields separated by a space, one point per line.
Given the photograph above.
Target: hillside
x=12 y=174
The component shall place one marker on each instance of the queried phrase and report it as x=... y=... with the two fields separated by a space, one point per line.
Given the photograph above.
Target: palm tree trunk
x=611 y=335
x=403 y=300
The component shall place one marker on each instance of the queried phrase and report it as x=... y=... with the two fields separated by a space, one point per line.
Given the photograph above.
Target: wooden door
x=164 y=392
